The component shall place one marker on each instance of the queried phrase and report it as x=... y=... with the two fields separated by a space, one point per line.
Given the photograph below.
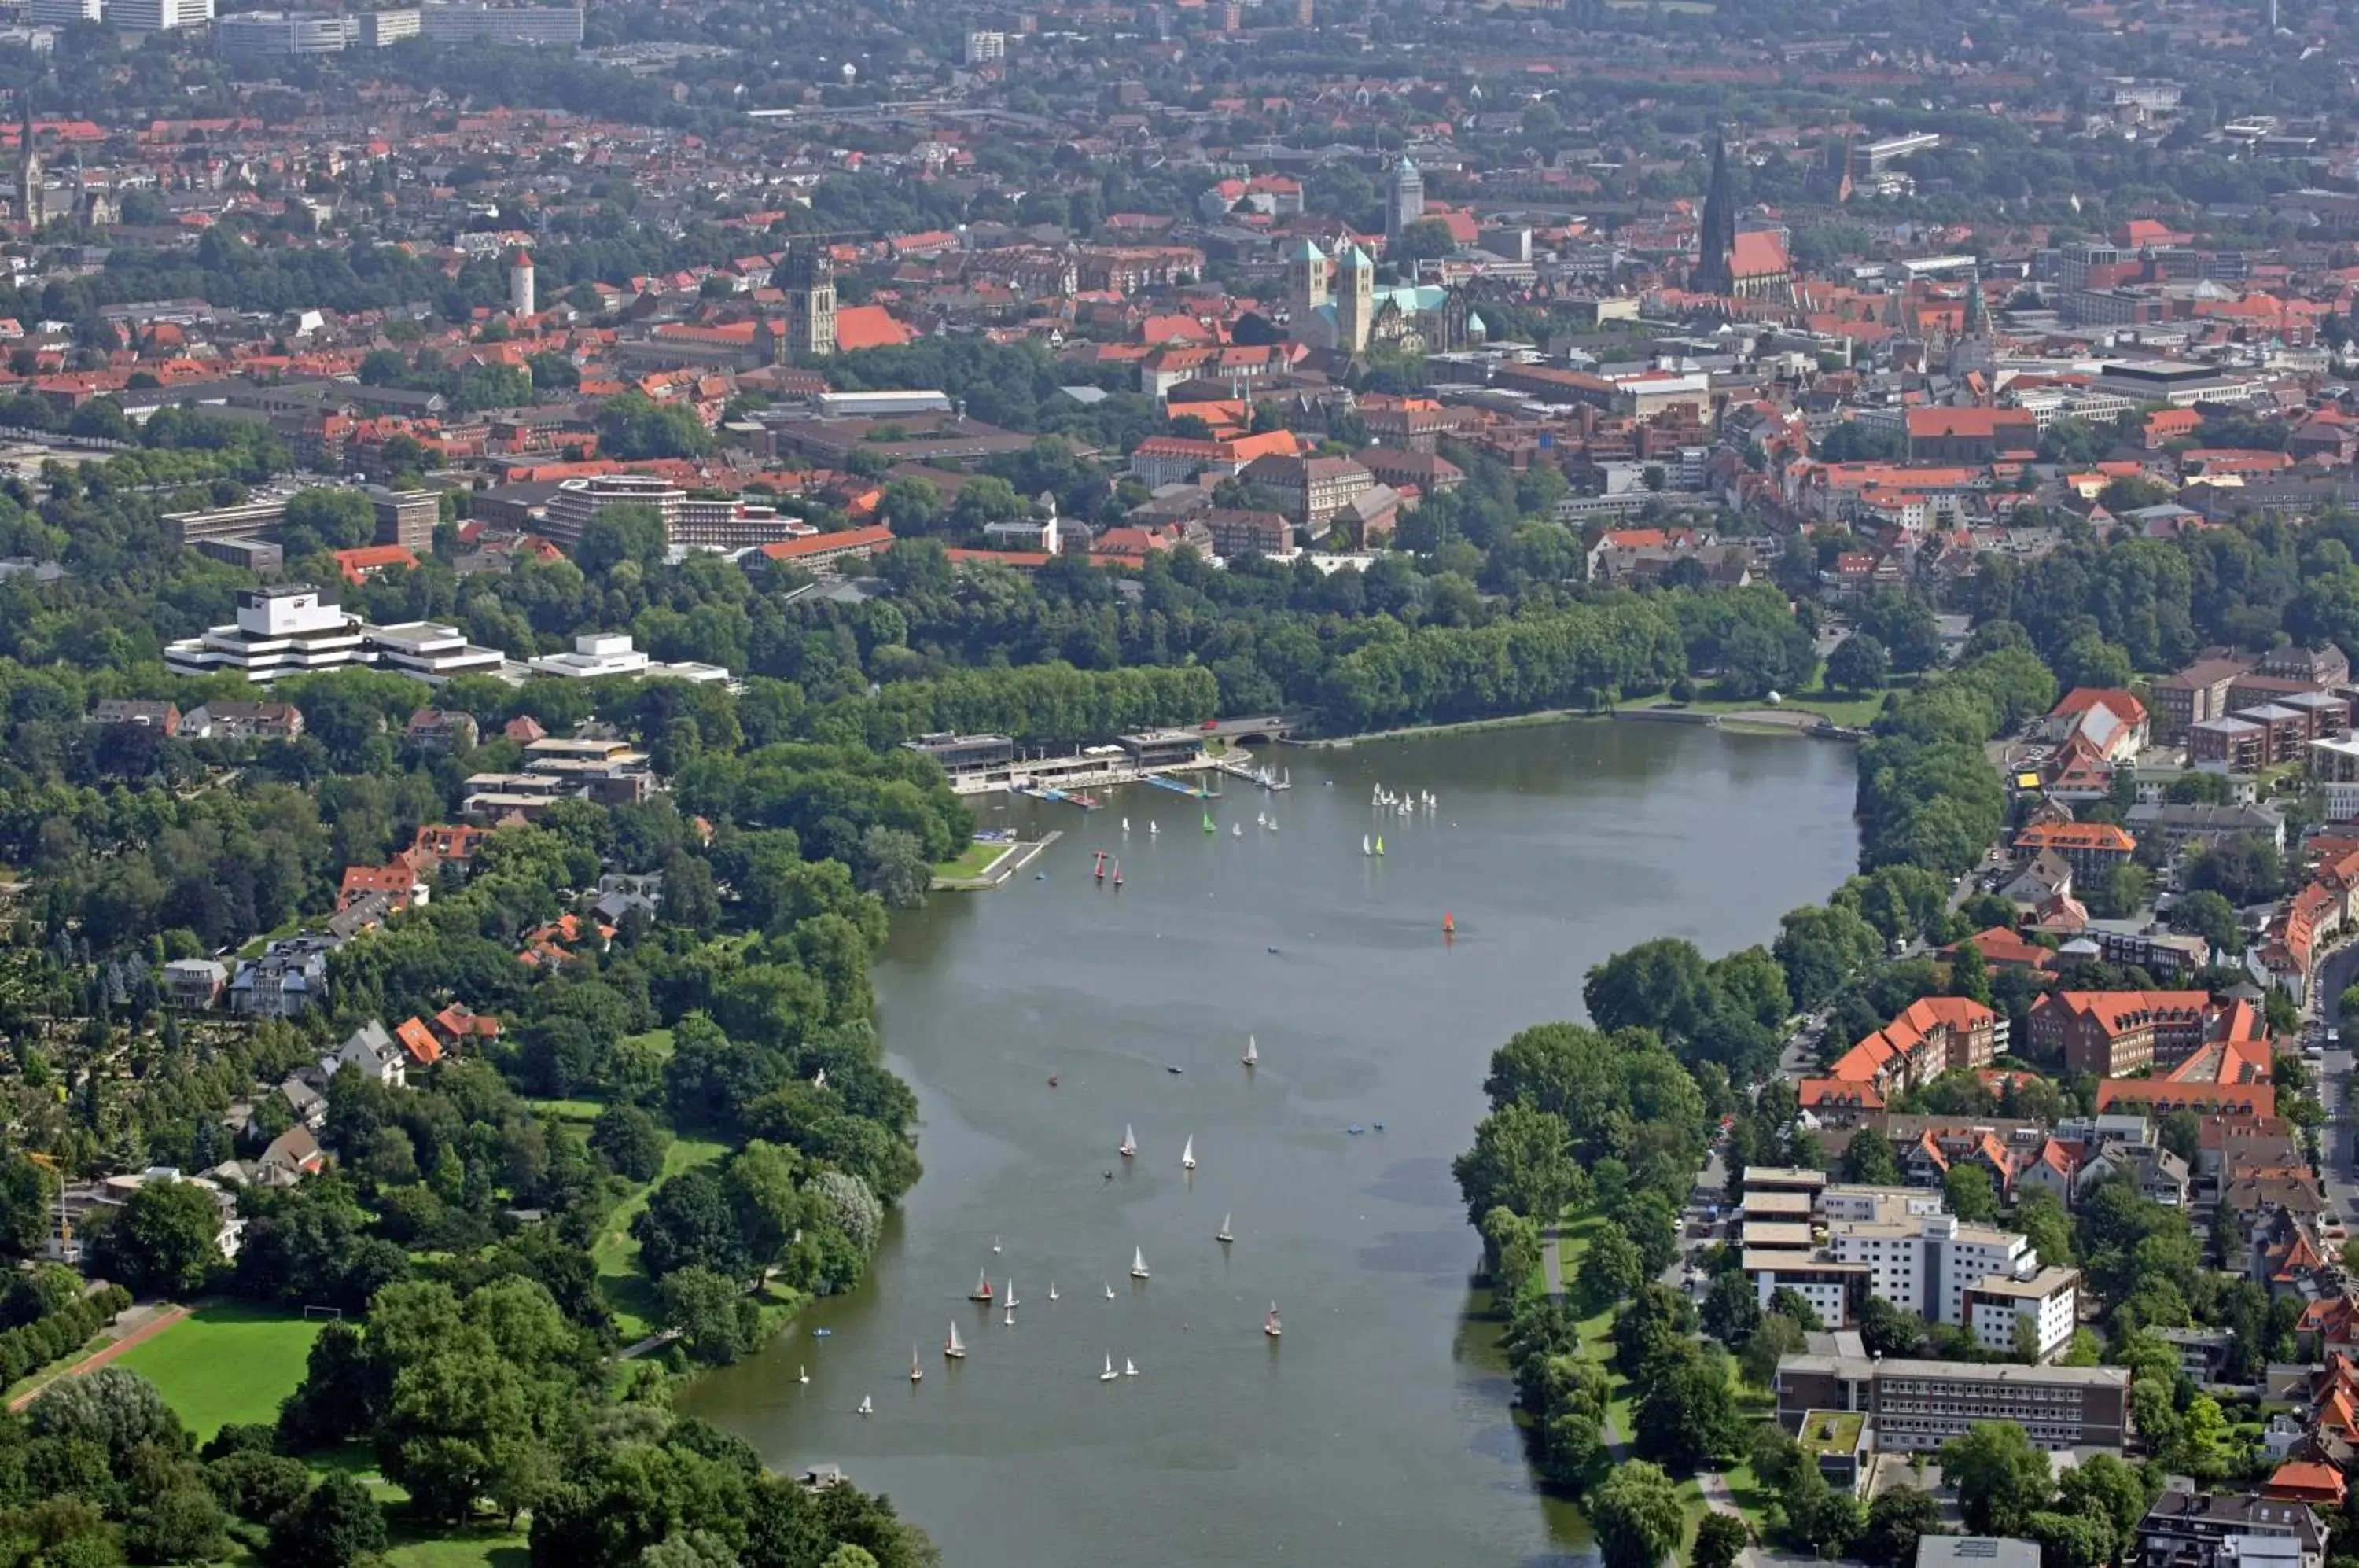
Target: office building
x=1919 y=1405
x=428 y=651
x=600 y=655
x=981 y=48
x=62 y=13
x=405 y=517
x=379 y=28
x=578 y=501
x=158 y=15
x=2007 y=1314
x=290 y=630
x=252 y=36
x=448 y=22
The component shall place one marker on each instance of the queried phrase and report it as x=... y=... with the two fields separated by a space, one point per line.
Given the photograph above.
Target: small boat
x=1109 y=1291
x=1252 y=1057
x=1052 y=1291
x=1380 y=844
x=1153 y=829
x=916 y=1371
x=1052 y=1079
x=1208 y=823
x=803 y=1374
x=1129 y=1142
x=995 y=1247
x=1117 y=873
x=1097 y=868
x=954 y=1348
x=1008 y=1317
x=1130 y=1367
x=1012 y=1303
x=1126 y=825
x=1224 y=1235
x=1355 y=1129
x=981 y=1291
x=1236 y=830
x=1364 y=848
x=1269 y=1322
x=823 y=1334
x=1174 y=1070
x=1139 y=1263
x=1449 y=923
x=1188 y=1153
x=1109 y=1375
x=867 y=1406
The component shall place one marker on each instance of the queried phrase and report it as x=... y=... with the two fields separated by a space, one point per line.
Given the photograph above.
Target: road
x=2335 y=1139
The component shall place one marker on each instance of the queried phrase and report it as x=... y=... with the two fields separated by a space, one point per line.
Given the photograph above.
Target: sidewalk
x=136 y=1327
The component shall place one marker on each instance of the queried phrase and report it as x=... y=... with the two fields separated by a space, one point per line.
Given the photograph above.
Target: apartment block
x=1919 y=1405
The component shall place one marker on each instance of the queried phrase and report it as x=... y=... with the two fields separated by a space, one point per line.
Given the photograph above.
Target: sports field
x=227 y=1362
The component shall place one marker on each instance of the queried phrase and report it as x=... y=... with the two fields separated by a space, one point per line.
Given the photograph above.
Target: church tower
x=1307 y=287
x=1973 y=351
x=807 y=278
x=31 y=201
x=1716 y=236
x=1355 y=298
x=1405 y=200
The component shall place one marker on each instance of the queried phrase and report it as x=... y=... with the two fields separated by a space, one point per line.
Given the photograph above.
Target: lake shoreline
x=1799 y=722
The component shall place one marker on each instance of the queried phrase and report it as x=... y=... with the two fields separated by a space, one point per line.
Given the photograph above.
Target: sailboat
x=867 y=1406
x=1252 y=1057
x=1364 y=845
x=1153 y=829
x=995 y=1247
x=1269 y=1323
x=1117 y=873
x=1129 y=1142
x=1109 y=1291
x=803 y=1374
x=1139 y=1263
x=981 y=1291
x=1008 y=1317
x=1097 y=867
x=1126 y=825
x=1236 y=830
x=1109 y=1375
x=1208 y=823
x=1130 y=1367
x=1052 y=1289
x=1012 y=1303
x=954 y=1348
x=1188 y=1153
x=1380 y=844
x=1224 y=1235
x=916 y=1371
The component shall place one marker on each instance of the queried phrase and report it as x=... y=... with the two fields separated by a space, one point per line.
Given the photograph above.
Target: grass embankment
x=227 y=1362
x=973 y=861
x=629 y=1293
x=1851 y=713
x=1597 y=1344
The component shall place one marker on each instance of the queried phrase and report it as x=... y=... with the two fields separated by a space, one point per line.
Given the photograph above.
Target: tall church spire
x=29 y=196
x=1716 y=236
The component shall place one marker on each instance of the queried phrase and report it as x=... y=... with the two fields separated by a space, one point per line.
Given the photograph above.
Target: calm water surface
x=1377 y=1429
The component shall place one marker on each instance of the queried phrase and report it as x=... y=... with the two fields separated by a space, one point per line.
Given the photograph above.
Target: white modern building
x=2047 y=1301
x=430 y=652
x=158 y=16
x=1927 y=1266
x=463 y=24
x=252 y=36
x=281 y=631
x=63 y=12
x=605 y=655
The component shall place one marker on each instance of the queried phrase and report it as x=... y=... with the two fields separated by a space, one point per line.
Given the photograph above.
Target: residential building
x=2200 y=1530
x=1925 y=1040
x=1929 y=1265
x=439 y=731
x=377 y=1055
x=244 y=721
x=405 y=517
x=2038 y=1312
x=289 y=978
x=2196 y=693
x=2159 y=1176
x=1240 y=533
x=1312 y=489
x=2181 y=827
x=195 y=983
x=2090 y=849
x=138 y=712
x=578 y=501
x=2114 y=1034
x=1919 y=1405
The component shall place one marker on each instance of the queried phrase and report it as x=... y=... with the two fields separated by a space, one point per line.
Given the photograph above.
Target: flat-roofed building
x=1919 y=1405
x=2039 y=1313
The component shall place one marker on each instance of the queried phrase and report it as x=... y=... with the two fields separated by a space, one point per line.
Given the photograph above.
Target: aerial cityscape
x=1560 y=782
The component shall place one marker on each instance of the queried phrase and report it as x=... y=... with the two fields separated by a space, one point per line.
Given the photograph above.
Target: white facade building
x=62 y=13
x=1929 y=1265
x=2047 y=1301
x=158 y=16
x=279 y=631
x=600 y=655
x=430 y=652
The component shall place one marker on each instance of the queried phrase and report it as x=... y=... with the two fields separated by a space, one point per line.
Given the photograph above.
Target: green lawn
x=1851 y=713
x=567 y=1110
x=486 y=1546
x=628 y=1294
x=658 y=1038
x=227 y=1362
x=969 y=863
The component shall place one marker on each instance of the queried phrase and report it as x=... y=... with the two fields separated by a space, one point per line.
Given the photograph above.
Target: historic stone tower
x=1716 y=238
x=1355 y=298
x=808 y=278
x=1307 y=284
x=32 y=200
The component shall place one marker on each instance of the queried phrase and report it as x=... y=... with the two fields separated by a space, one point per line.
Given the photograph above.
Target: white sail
x=1011 y=1302
x=1129 y=1142
x=1130 y=1367
x=1109 y=1291
x=1364 y=845
x=1153 y=828
x=1253 y=1051
x=1269 y=1324
x=1188 y=1154
x=1139 y=1263
x=1126 y=825
x=916 y=1371
x=954 y=1347
x=1108 y=1375
x=1052 y=1291
x=803 y=1374
x=1224 y=1232
x=867 y=1406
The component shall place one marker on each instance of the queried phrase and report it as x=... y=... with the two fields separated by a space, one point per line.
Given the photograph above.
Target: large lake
x=1377 y=1429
